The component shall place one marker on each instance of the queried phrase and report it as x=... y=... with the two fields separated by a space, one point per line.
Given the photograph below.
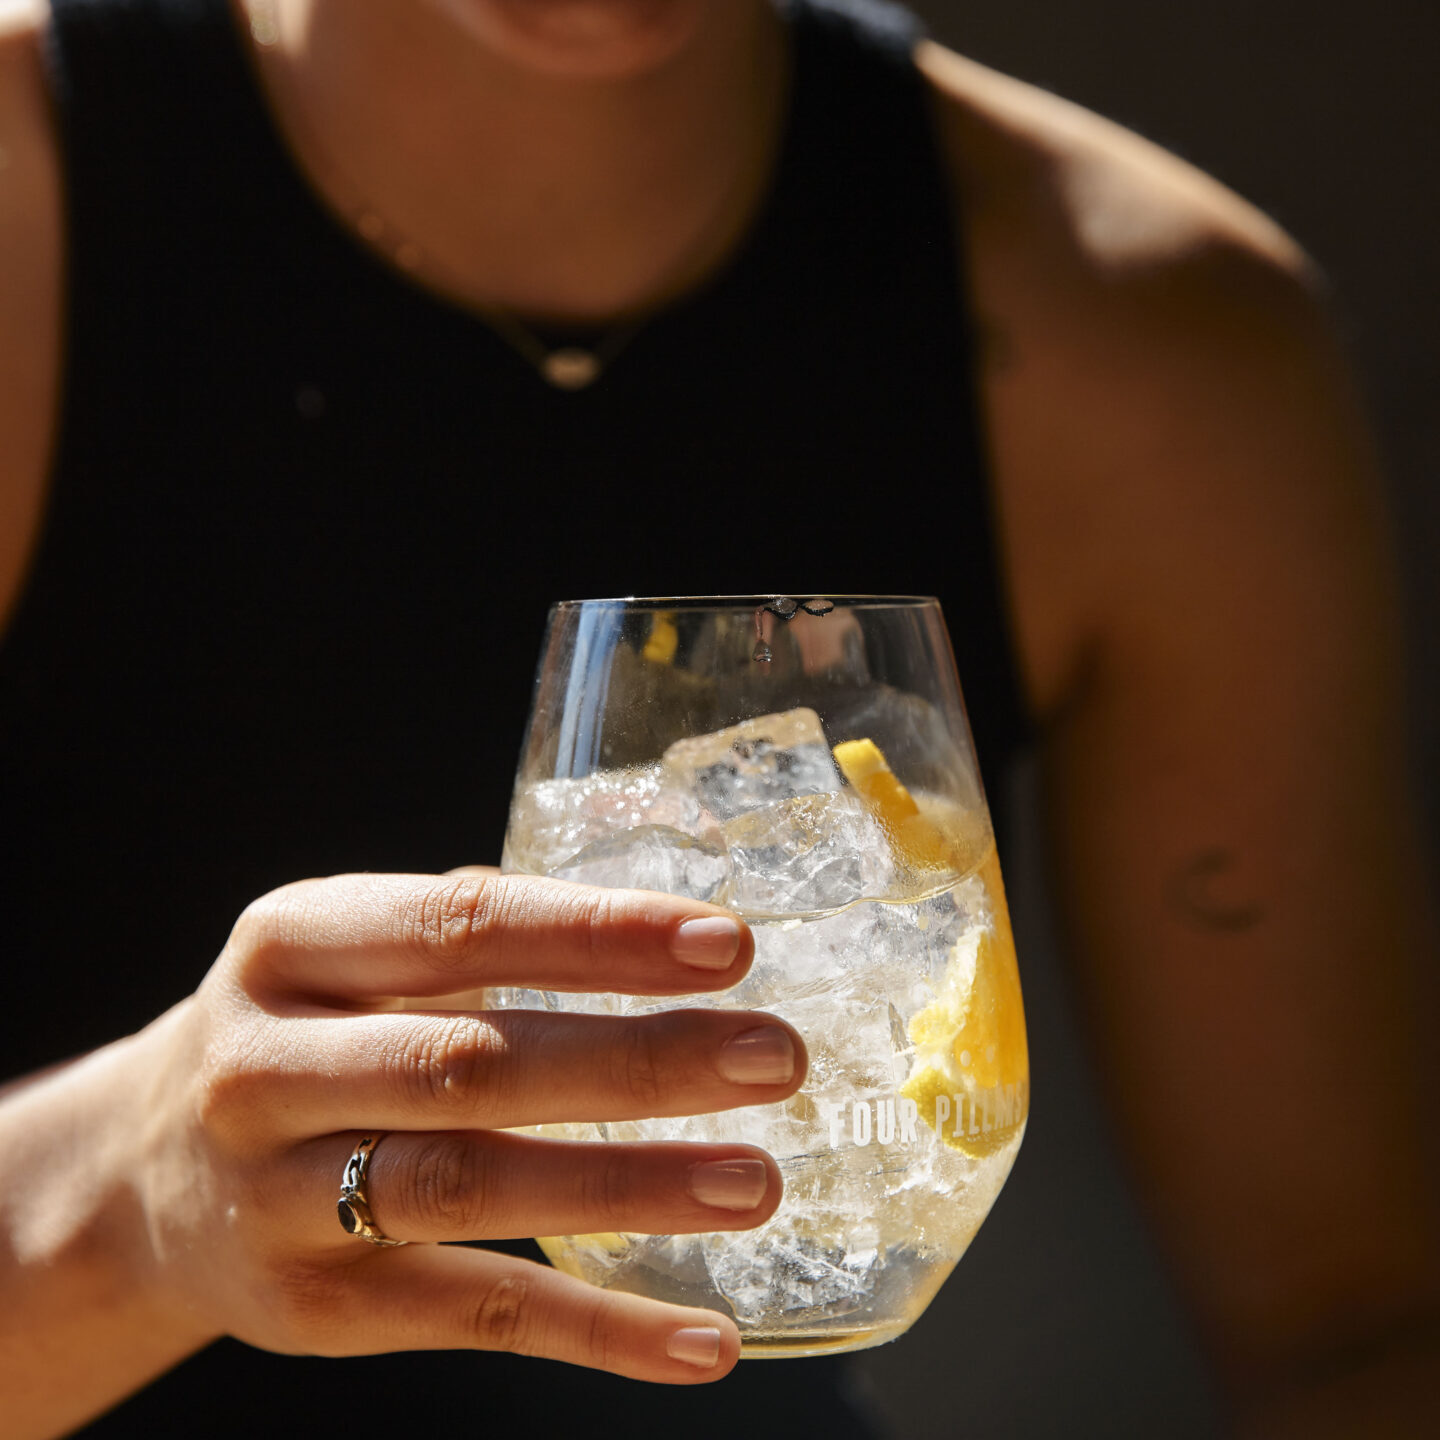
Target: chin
x=598 y=39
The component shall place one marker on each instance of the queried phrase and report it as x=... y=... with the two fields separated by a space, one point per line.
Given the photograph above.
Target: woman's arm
x=81 y=1321
x=1205 y=603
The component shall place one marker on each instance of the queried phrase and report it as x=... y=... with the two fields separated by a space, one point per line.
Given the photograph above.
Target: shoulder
x=1166 y=404
x=1107 y=197
x=30 y=286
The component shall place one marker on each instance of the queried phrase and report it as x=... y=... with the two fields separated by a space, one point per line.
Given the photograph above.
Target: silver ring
x=354 y=1205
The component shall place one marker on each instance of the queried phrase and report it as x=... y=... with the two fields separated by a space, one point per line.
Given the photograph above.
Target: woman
x=383 y=322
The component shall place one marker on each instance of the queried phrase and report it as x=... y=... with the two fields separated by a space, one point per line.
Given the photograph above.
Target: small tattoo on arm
x=1204 y=894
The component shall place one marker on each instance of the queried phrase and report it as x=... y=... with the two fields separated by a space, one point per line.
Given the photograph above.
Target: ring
x=354 y=1205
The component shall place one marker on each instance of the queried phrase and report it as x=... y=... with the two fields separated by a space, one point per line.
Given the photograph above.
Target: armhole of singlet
x=896 y=33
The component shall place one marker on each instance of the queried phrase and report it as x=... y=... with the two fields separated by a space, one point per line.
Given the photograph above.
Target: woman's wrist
x=91 y=1312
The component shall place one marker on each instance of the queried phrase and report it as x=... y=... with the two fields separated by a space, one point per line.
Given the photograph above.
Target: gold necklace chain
x=564 y=367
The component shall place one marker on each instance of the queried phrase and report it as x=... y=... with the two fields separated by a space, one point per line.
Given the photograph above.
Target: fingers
x=508 y=1068
x=361 y=937
x=463 y=1185
x=427 y=1298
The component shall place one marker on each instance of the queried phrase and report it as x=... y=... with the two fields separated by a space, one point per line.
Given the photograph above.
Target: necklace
x=564 y=367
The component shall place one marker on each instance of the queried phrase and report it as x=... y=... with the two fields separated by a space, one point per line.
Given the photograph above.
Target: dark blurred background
x=1060 y=1321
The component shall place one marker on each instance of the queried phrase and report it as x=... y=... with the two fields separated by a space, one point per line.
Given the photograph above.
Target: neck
x=574 y=199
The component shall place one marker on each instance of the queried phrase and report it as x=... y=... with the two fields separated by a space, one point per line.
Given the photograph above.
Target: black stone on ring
x=353 y=1207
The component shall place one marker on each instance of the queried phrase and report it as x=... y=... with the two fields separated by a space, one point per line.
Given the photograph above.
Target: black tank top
x=305 y=525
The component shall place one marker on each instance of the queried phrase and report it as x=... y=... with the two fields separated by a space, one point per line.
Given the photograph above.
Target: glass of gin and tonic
x=806 y=763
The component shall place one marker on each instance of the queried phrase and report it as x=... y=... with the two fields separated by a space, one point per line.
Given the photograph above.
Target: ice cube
x=772 y=1271
x=901 y=1048
x=552 y=820
x=652 y=857
x=807 y=854
x=754 y=764
x=674 y=1267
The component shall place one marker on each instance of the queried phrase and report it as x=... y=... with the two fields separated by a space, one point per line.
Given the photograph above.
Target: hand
x=291 y=1052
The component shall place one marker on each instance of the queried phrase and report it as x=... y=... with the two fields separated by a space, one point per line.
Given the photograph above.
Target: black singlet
x=307 y=519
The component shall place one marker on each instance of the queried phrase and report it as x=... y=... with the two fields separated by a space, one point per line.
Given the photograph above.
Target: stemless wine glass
x=806 y=762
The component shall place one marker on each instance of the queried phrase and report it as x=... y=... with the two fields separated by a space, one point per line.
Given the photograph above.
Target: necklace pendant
x=571 y=368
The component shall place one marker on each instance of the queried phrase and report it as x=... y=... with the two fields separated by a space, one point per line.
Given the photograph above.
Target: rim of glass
x=750 y=602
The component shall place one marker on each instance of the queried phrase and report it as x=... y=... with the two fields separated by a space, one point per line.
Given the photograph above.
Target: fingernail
x=708 y=944
x=729 y=1184
x=696 y=1345
x=763 y=1056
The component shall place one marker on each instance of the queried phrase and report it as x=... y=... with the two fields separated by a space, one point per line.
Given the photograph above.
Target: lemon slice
x=918 y=839
x=610 y=1241
x=971 y=1075
x=664 y=639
